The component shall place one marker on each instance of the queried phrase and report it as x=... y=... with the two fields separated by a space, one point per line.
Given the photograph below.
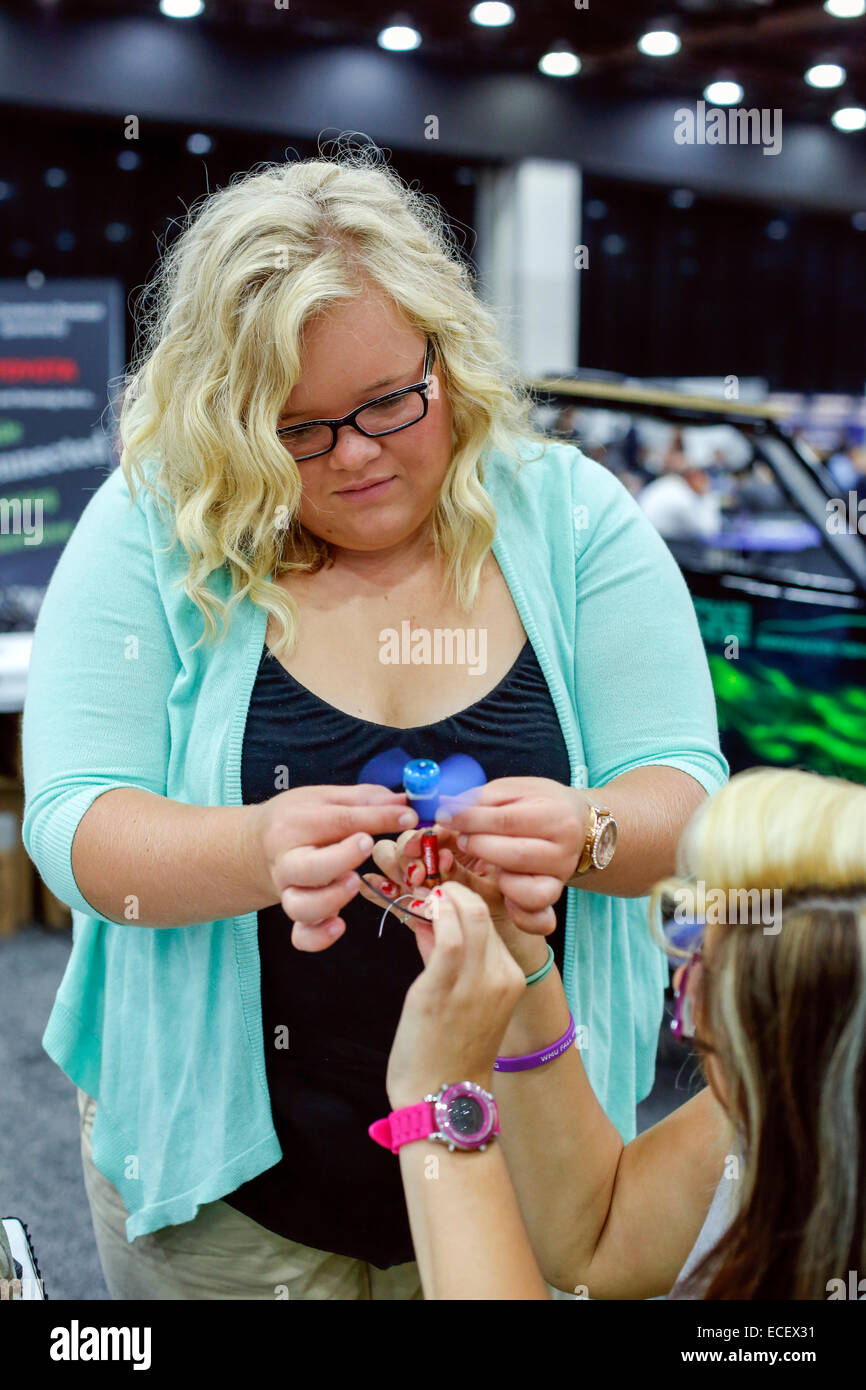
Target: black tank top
x=335 y=1189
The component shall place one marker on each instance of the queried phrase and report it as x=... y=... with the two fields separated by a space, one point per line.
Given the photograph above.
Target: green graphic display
x=789 y=724
x=802 y=706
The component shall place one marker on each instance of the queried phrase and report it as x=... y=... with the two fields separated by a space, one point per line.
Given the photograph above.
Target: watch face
x=466 y=1115
x=605 y=845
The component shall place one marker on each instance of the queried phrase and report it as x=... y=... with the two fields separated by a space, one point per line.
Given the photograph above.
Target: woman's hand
x=404 y=873
x=455 y=1014
x=532 y=830
x=312 y=839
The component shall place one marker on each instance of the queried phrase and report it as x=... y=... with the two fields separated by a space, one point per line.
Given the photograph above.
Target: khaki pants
x=221 y=1253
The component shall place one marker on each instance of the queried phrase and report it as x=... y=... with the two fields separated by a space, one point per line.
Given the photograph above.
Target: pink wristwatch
x=463 y=1116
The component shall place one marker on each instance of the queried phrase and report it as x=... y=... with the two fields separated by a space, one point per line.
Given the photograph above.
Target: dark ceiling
x=766 y=45
x=781 y=278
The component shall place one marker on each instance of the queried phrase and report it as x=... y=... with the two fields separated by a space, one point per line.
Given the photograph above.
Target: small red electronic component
x=430 y=855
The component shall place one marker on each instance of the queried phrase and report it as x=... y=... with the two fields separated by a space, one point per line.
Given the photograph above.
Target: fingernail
x=334 y=929
x=416 y=902
x=437 y=893
x=462 y=841
x=443 y=817
x=407 y=819
x=415 y=873
x=351 y=881
x=365 y=843
x=389 y=888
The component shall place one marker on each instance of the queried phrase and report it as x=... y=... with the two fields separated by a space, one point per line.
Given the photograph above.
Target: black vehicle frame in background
x=785 y=634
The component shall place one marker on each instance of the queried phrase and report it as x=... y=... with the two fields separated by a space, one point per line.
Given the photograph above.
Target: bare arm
x=662 y=1191
x=469 y=1236
x=142 y=858
x=617 y=1219
x=559 y=1196
x=470 y=1240
x=650 y=805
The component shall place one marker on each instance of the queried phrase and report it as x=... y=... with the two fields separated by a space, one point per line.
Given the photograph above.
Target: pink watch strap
x=404 y=1126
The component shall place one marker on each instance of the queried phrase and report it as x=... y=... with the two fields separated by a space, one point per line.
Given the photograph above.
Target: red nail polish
x=416 y=902
x=415 y=874
x=389 y=888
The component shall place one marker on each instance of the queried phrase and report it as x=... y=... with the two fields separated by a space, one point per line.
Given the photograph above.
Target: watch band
x=433 y=1119
x=404 y=1126
x=599 y=819
x=584 y=863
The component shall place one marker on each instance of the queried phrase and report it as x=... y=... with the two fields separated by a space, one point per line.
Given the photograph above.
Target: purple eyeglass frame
x=682 y=1024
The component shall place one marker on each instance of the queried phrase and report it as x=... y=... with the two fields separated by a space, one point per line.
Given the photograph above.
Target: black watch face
x=466 y=1115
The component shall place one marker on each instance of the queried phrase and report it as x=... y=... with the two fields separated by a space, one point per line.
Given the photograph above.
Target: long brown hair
x=783 y=1005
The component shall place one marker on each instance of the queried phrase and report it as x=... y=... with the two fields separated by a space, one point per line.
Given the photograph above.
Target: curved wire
x=388 y=909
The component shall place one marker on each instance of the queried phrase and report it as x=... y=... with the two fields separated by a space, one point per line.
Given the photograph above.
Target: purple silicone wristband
x=538 y=1059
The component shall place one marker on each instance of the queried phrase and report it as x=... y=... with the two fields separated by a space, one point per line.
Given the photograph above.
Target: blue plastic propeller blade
x=386 y=769
x=459 y=774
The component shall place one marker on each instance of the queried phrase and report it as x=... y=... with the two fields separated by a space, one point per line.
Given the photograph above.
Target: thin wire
x=388 y=909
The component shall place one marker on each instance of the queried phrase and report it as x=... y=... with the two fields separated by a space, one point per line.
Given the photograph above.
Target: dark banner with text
x=61 y=345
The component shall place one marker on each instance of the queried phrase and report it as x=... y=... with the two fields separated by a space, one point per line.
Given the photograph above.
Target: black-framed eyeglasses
x=384 y=415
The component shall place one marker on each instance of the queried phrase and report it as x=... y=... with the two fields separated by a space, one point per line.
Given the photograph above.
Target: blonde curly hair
x=220 y=330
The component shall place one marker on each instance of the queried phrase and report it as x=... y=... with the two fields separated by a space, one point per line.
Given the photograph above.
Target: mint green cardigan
x=164 y=1026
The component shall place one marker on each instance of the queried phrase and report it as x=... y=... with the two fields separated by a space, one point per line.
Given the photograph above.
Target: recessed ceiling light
x=491 y=14
x=659 y=43
x=613 y=244
x=399 y=38
x=849 y=118
x=825 y=75
x=681 y=198
x=845 y=9
x=723 y=93
x=55 y=178
x=128 y=159
x=181 y=9
x=858 y=221
x=199 y=143
x=560 y=61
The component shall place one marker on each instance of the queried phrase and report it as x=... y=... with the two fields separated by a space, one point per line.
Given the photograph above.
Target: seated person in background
x=681 y=505
x=773 y=1146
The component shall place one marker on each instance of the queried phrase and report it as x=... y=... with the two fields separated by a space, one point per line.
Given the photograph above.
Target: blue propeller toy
x=426 y=783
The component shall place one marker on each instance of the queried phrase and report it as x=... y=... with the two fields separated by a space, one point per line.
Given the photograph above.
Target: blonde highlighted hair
x=785 y=1015
x=221 y=347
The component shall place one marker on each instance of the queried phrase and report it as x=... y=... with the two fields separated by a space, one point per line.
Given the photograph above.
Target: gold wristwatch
x=600 y=841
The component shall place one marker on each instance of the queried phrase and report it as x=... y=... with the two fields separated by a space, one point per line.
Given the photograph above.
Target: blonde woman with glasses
x=326 y=462
x=753 y=1189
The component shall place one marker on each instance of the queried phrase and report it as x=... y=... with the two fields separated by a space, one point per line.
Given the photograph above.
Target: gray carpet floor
x=40 y=1161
